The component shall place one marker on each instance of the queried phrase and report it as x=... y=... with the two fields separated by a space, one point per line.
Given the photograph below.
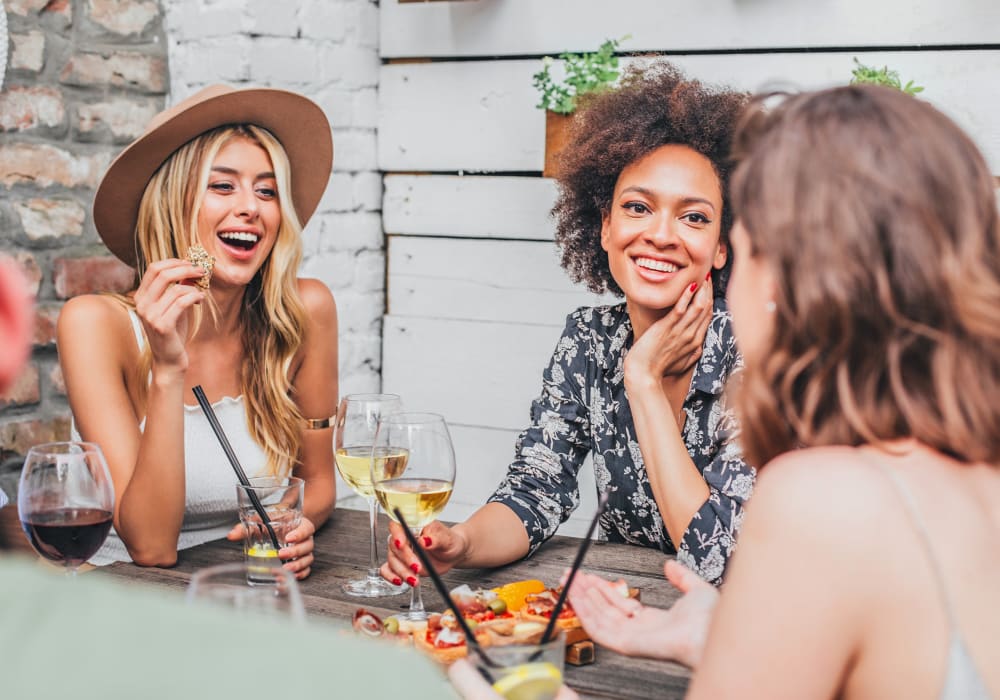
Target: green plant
x=863 y=74
x=584 y=73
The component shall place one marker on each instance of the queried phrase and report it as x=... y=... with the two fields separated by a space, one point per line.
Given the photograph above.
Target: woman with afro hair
x=638 y=385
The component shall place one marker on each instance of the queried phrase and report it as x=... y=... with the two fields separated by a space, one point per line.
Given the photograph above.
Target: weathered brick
x=32 y=272
x=57 y=381
x=352 y=192
x=51 y=218
x=211 y=61
x=207 y=21
x=123 y=17
x=25 y=390
x=73 y=276
x=284 y=61
x=25 y=7
x=19 y=435
x=321 y=19
x=269 y=18
x=346 y=108
x=46 y=316
x=348 y=66
x=44 y=165
x=131 y=69
x=25 y=108
x=354 y=150
x=27 y=51
x=119 y=120
x=351 y=231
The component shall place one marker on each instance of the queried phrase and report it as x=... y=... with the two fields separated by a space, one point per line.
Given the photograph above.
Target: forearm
x=151 y=506
x=493 y=536
x=678 y=487
x=320 y=499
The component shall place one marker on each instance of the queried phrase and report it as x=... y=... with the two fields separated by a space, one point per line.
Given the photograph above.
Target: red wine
x=68 y=536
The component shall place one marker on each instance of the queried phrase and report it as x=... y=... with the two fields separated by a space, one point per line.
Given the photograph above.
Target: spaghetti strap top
x=962 y=680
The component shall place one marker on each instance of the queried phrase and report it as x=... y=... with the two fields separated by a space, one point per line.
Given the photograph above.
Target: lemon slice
x=538 y=681
x=263 y=551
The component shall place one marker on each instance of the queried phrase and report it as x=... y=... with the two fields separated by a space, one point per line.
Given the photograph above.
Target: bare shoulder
x=318 y=299
x=820 y=489
x=87 y=312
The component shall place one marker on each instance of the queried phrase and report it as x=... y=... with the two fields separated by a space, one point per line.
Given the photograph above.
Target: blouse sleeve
x=710 y=538
x=541 y=482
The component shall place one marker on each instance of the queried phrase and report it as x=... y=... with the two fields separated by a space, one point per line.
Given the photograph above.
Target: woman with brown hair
x=866 y=300
x=208 y=205
x=637 y=385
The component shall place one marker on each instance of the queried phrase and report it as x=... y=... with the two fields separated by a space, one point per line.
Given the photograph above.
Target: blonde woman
x=232 y=175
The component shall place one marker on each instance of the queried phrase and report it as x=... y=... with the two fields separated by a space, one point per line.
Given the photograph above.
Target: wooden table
x=342 y=554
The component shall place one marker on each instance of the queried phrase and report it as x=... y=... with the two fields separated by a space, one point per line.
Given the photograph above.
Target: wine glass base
x=372 y=588
x=412 y=616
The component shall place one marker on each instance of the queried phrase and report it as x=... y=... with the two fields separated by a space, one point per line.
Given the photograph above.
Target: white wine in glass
x=423 y=488
x=354 y=435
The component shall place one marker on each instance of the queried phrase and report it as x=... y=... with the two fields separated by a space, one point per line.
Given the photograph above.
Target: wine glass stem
x=416 y=598
x=373 y=548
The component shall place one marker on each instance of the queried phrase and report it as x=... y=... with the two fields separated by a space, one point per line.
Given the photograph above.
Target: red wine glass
x=65 y=501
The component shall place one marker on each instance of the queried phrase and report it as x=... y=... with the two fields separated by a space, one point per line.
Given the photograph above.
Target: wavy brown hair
x=879 y=217
x=653 y=106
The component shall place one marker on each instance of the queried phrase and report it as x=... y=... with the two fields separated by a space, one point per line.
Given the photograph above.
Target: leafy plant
x=584 y=73
x=863 y=74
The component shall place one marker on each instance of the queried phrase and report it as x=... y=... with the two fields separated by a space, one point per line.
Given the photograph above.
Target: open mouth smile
x=241 y=240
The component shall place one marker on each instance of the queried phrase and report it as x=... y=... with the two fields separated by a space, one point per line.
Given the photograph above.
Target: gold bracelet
x=318 y=423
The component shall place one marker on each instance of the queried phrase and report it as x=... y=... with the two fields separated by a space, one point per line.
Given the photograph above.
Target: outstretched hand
x=630 y=628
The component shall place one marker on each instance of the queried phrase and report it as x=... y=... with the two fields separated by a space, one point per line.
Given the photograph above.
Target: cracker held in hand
x=200 y=257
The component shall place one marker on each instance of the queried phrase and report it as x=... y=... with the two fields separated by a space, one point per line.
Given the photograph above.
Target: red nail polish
x=707 y=275
x=427 y=541
x=399 y=544
x=415 y=567
x=412 y=580
x=693 y=287
x=396 y=581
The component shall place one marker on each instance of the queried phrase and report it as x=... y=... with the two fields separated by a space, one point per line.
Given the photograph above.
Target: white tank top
x=210 y=493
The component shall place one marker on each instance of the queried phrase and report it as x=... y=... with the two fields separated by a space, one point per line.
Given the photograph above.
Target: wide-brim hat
x=296 y=121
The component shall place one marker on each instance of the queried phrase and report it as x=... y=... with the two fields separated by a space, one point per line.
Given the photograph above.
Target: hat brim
x=296 y=121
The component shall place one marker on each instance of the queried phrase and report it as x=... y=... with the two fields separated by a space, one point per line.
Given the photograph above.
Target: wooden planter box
x=556 y=137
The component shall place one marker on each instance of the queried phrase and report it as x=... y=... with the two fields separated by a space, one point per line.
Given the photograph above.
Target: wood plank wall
x=476 y=299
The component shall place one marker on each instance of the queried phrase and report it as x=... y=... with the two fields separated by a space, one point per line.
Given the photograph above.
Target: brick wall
x=327 y=50
x=83 y=78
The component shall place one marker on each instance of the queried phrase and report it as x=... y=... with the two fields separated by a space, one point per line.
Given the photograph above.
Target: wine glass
x=65 y=501
x=422 y=488
x=354 y=435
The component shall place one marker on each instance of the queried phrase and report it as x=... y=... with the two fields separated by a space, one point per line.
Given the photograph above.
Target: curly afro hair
x=653 y=107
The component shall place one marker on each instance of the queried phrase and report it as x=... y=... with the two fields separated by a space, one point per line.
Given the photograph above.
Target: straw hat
x=296 y=121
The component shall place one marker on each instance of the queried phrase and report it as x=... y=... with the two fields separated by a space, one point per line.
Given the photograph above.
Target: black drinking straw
x=206 y=407
x=443 y=590
x=580 y=553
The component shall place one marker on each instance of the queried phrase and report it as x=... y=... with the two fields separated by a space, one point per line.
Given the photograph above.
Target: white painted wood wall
x=476 y=299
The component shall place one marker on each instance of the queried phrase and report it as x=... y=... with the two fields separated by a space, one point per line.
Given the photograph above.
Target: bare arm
x=677 y=485
x=147 y=467
x=796 y=593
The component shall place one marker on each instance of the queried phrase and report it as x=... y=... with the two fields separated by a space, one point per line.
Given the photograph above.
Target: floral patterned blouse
x=583 y=408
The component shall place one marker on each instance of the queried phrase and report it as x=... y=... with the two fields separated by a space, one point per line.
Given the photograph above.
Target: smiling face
x=240 y=214
x=662 y=233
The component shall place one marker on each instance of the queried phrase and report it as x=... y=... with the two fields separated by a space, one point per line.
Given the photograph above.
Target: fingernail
x=396 y=581
x=399 y=544
x=427 y=541
x=693 y=287
x=412 y=580
x=707 y=275
x=415 y=567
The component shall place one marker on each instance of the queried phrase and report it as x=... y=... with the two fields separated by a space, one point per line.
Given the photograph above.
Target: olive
x=391 y=625
x=498 y=606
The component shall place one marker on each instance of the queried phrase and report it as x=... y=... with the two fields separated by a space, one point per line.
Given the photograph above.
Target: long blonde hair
x=272 y=318
x=879 y=215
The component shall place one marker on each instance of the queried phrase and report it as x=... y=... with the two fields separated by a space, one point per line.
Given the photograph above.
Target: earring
x=770 y=307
